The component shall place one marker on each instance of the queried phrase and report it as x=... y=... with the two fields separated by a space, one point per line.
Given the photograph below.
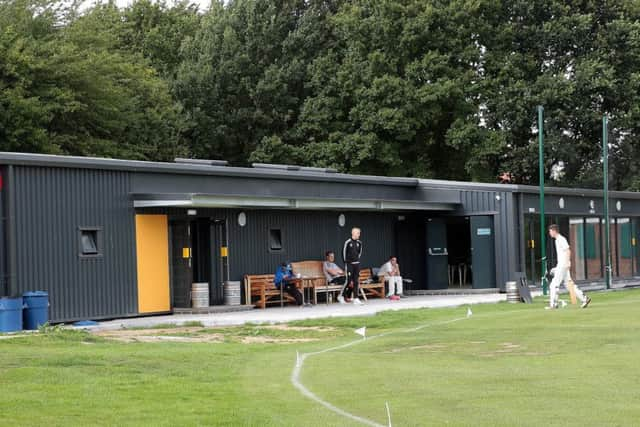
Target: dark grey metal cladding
x=306 y=235
x=4 y=279
x=579 y=204
x=52 y=204
x=502 y=205
x=150 y=183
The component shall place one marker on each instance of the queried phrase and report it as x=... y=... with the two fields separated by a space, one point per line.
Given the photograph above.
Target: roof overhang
x=215 y=201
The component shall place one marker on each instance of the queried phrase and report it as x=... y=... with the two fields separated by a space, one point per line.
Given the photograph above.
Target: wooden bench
x=313 y=269
x=262 y=287
x=370 y=288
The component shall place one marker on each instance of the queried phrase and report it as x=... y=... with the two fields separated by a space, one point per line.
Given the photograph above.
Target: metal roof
x=284 y=173
x=47 y=160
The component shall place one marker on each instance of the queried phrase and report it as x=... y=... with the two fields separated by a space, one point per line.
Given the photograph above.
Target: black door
x=181 y=264
x=218 y=245
x=482 y=252
x=410 y=247
x=437 y=254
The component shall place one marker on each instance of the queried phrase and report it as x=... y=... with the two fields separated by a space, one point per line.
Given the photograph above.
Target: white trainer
x=356 y=301
x=340 y=299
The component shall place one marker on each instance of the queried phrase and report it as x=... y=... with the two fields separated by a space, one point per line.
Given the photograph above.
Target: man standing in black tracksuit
x=351 y=253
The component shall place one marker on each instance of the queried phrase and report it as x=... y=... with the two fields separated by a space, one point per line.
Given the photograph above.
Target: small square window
x=275 y=240
x=90 y=242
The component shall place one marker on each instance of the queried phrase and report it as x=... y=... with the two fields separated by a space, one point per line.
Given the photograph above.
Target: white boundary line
x=295 y=375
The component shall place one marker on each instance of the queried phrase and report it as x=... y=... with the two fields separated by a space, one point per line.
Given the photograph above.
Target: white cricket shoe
x=340 y=299
x=356 y=301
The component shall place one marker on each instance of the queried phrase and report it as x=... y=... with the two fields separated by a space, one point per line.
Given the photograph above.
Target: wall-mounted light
x=242 y=219
x=192 y=212
x=342 y=220
x=618 y=205
x=561 y=203
x=498 y=197
x=592 y=204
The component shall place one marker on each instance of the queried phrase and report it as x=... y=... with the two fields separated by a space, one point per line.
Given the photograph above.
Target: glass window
x=275 y=239
x=90 y=242
x=623 y=231
x=577 y=243
x=592 y=249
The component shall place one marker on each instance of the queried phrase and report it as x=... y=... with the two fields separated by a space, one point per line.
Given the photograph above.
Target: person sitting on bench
x=333 y=273
x=284 y=277
x=391 y=272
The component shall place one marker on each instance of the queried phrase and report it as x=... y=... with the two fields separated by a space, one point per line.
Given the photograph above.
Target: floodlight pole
x=605 y=163
x=543 y=234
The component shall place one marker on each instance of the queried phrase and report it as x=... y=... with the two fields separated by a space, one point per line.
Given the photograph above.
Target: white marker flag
x=469 y=312
x=362 y=331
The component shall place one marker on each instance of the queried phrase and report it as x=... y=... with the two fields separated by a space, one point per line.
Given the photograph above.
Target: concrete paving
x=273 y=315
x=290 y=313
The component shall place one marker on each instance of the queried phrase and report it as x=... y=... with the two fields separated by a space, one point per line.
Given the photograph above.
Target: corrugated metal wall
x=4 y=279
x=51 y=205
x=306 y=235
x=502 y=205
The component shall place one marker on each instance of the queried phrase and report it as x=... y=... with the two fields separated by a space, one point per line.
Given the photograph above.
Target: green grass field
x=506 y=365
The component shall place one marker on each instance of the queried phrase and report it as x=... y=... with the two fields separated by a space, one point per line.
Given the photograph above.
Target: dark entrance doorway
x=459 y=241
x=460 y=252
x=181 y=263
x=195 y=257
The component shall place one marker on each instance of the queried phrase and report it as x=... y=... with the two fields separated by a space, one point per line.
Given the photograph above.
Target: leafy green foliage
x=395 y=87
x=66 y=88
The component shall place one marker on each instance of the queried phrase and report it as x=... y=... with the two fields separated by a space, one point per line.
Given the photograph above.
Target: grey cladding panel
x=263 y=187
x=51 y=206
x=578 y=205
x=305 y=236
x=502 y=206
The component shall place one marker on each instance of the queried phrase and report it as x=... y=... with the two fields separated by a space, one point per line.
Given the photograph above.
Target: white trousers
x=561 y=276
x=395 y=284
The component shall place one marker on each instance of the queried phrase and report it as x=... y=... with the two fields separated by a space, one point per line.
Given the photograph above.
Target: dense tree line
x=428 y=88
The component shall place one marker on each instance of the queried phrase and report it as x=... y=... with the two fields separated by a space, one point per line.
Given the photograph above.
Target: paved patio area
x=291 y=313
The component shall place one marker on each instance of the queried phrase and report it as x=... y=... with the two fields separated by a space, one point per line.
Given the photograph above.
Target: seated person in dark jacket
x=284 y=277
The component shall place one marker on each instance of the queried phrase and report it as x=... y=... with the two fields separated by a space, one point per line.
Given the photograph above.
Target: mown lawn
x=505 y=365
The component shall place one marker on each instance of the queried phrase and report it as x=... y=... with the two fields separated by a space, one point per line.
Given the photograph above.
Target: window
x=90 y=245
x=275 y=239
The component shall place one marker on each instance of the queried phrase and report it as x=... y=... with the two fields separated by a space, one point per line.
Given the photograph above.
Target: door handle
x=443 y=253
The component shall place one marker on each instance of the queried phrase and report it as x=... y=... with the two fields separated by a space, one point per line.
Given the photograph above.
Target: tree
x=244 y=73
x=68 y=89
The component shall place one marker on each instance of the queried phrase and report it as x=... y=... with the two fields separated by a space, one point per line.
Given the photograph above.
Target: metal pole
x=543 y=234
x=605 y=162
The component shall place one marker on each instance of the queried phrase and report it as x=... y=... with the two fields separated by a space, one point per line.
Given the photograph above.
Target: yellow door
x=152 y=248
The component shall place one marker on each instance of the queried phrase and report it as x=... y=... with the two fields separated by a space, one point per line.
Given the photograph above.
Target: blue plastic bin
x=10 y=314
x=36 y=309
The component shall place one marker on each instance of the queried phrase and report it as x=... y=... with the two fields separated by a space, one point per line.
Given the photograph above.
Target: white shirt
x=562 y=246
x=386 y=269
